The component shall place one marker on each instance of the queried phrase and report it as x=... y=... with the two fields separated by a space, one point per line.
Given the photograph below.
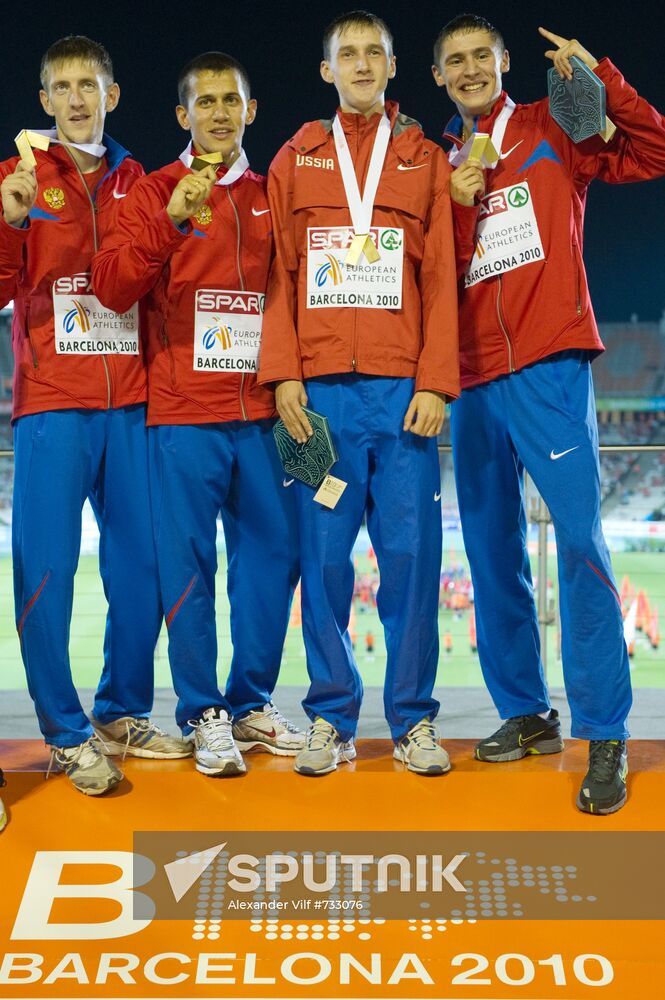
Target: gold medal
x=362 y=243
x=203 y=160
x=26 y=141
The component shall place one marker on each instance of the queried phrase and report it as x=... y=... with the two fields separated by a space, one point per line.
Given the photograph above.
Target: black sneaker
x=522 y=735
x=603 y=790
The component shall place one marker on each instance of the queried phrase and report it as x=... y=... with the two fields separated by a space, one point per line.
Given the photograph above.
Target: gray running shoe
x=140 y=738
x=267 y=729
x=522 y=736
x=87 y=766
x=323 y=751
x=421 y=751
x=215 y=752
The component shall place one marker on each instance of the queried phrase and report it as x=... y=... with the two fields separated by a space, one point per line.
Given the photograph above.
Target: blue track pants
x=63 y=457
x=393 y=479
x=541 y=418
x=196 y=472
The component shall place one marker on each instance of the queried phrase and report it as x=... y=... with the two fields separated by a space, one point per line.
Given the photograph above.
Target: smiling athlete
x=193 y=241
x=361 y=321
x=527 y=339
x=79 y=425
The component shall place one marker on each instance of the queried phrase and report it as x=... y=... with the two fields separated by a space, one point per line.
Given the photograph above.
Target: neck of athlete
x=378 y=107
x=469 y=119
x=230 y=158
x=86 y=162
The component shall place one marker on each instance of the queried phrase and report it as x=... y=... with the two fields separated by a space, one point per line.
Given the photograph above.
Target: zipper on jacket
x=93 y=209
x=504 y=329
x=242 y=289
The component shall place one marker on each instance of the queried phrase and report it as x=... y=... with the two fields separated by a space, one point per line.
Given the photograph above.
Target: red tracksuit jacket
x=514 y=319
x=227 y=247
x=64 y=229
x=305 y=191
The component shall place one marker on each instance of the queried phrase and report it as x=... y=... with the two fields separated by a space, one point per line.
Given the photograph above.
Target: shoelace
x=274 y=714
x=85 y=755
x=140 y=726
x=424 y=735
x=320 y=735
x=217 y=733
x=604 y=755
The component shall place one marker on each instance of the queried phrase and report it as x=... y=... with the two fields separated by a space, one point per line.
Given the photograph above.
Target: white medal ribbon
x=458 y=156
x=361 y=208
x=235 y=171
x=96 y=149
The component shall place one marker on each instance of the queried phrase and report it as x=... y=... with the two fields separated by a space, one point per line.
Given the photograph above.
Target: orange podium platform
x=69 y=879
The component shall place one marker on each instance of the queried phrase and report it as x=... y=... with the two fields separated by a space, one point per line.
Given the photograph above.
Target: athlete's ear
x=251 y=111
x=505 y=61
x=112 y=97
x=326 y=72
x=46 y=103
x=438 y=76
x=392 y=68
x=183 y=118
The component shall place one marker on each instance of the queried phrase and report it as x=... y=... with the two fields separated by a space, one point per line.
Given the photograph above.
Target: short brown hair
x=76 y=47
x=212 y=62
x=357 y=18
x=466 y=23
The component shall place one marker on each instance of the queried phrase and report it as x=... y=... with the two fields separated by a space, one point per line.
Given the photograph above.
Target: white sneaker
x=421 y=751
x=215 y=752
x=324 y=749
x=267 y=729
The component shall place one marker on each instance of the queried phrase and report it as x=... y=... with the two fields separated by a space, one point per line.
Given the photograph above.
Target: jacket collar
x=407 y=134
x=483 y=123
x=115 y=155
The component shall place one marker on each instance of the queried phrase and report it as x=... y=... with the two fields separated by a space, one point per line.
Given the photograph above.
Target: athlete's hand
x=290 y=397
x=425 y=414
x=565 y=48
x=189 y=194
x=467 y=183
x=18 y=191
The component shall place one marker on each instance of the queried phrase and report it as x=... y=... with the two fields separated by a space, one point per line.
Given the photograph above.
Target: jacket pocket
x=31 y=343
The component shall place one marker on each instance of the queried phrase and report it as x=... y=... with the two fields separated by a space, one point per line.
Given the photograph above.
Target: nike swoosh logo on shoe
x=529 y=738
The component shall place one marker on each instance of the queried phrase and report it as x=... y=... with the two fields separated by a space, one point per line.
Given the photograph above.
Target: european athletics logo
x=217 y=332
x=76 y=316
x=330 y=268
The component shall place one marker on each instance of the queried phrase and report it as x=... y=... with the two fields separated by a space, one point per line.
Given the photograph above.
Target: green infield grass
x=460 y=667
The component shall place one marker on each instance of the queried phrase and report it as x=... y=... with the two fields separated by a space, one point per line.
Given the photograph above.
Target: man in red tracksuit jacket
x=373 y=347
x=527 y=337
x=195 y=246
x=79 y=426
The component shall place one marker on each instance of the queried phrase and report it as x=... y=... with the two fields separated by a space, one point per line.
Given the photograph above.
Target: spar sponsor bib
x=84 y=326
x=333 y=283
x=507 y=234
x=227 y=330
